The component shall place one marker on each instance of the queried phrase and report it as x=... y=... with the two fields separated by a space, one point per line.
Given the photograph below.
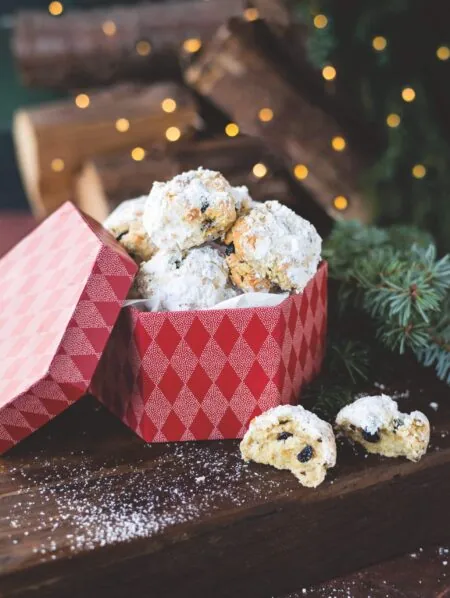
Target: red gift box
x=168 y=376
x=205 y=374
x=62 y=289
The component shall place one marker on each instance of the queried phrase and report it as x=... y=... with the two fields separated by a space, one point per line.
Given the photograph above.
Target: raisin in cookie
x=377 y=424
x=125 y=223
x=192 y=208
x=291 y=438
x=173 y=281
x=277 y=245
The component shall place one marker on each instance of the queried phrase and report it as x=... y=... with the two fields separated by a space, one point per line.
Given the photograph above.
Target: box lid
x=62 y=288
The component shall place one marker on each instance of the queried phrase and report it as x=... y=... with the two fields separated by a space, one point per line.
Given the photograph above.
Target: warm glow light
x=192 y=44
x=340 y=203
x=329 y=73
x=109 y=28
x=443 y=53
x=338 y=144
x=82 y=100
x=138 y=154
x=122 y=125
x=259 y=170
x=57 y=165
x=173 y=134
x=55 y=8
x=232 y=129
x=393 y=120
x=169 y=105
x=251 y=14
x=379 y=43
x=300 y=172
x=408 y=94
x=419 y=171
x=143 y=48
x=265 y=115
x=320 y=21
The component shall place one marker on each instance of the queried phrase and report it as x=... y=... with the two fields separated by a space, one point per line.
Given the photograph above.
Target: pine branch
x=393 y=279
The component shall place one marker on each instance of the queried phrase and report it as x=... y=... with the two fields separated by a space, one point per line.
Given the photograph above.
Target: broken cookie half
x=290 y=437
x=376 y=423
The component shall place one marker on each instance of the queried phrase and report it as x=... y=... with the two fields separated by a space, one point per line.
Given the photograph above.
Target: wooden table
x=88 y=509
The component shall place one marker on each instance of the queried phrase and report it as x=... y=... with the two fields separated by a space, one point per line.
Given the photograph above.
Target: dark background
x=13 y=95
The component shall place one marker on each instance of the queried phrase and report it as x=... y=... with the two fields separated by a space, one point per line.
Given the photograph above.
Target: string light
x=232 y=130
x=419 y=171
x=192 y=44
x=338 y=144
x=320 y=21
x=143 y=47
x=443 y=53
x=408 y=94
x=109 y=28
x=251 y=14
x=122 y=125
x=57 y=165
x=300 y=172
x=82 y=100
x=393 y=120
x=340 y=203
x=138 y=154
x=259 y=170
x=55 y=8
x=329 y=73
x=173 y=134
x=169 y=105
x=379 y=43
x=265 y=115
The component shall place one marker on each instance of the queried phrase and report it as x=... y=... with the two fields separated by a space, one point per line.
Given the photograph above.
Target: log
x=107 y=180
x=53 y=141
x=91 y=47
x=235 y=74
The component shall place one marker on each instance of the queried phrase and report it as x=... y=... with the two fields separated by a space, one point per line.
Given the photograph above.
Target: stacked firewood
x=155 y=89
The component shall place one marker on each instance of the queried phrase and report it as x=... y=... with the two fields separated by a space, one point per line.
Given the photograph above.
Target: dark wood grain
x=86 y=508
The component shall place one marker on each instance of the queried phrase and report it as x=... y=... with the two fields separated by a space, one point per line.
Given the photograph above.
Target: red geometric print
x=204 y=374
x=62 y=290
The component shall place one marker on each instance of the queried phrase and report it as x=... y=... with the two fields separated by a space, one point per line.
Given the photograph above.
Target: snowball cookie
x=377 y=424
x=292 y=438
x=125 y=223
x=192 y=208
x=175 y=283
x=277 y=245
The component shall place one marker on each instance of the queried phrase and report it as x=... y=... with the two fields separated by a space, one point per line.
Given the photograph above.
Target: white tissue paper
x=240 y=301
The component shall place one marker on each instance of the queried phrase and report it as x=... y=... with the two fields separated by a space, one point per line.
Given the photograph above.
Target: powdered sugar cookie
x=174 y=282
x=290 y=437
x=376 y=423
x=277 y=245
x=125 y=223
x=192 y=208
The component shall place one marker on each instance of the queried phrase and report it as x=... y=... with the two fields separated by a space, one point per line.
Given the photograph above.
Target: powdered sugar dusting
x=87 y=506
x=172 y=282
x=278 y=244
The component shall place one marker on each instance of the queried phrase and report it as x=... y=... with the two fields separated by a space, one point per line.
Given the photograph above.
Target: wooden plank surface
x=87 y=507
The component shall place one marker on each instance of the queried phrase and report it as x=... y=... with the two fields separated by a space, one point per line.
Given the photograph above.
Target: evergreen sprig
x=403 y=288
x=390 y=293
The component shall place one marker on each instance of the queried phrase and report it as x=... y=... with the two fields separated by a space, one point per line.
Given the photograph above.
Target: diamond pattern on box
x=62 y=290
x=205 y=374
